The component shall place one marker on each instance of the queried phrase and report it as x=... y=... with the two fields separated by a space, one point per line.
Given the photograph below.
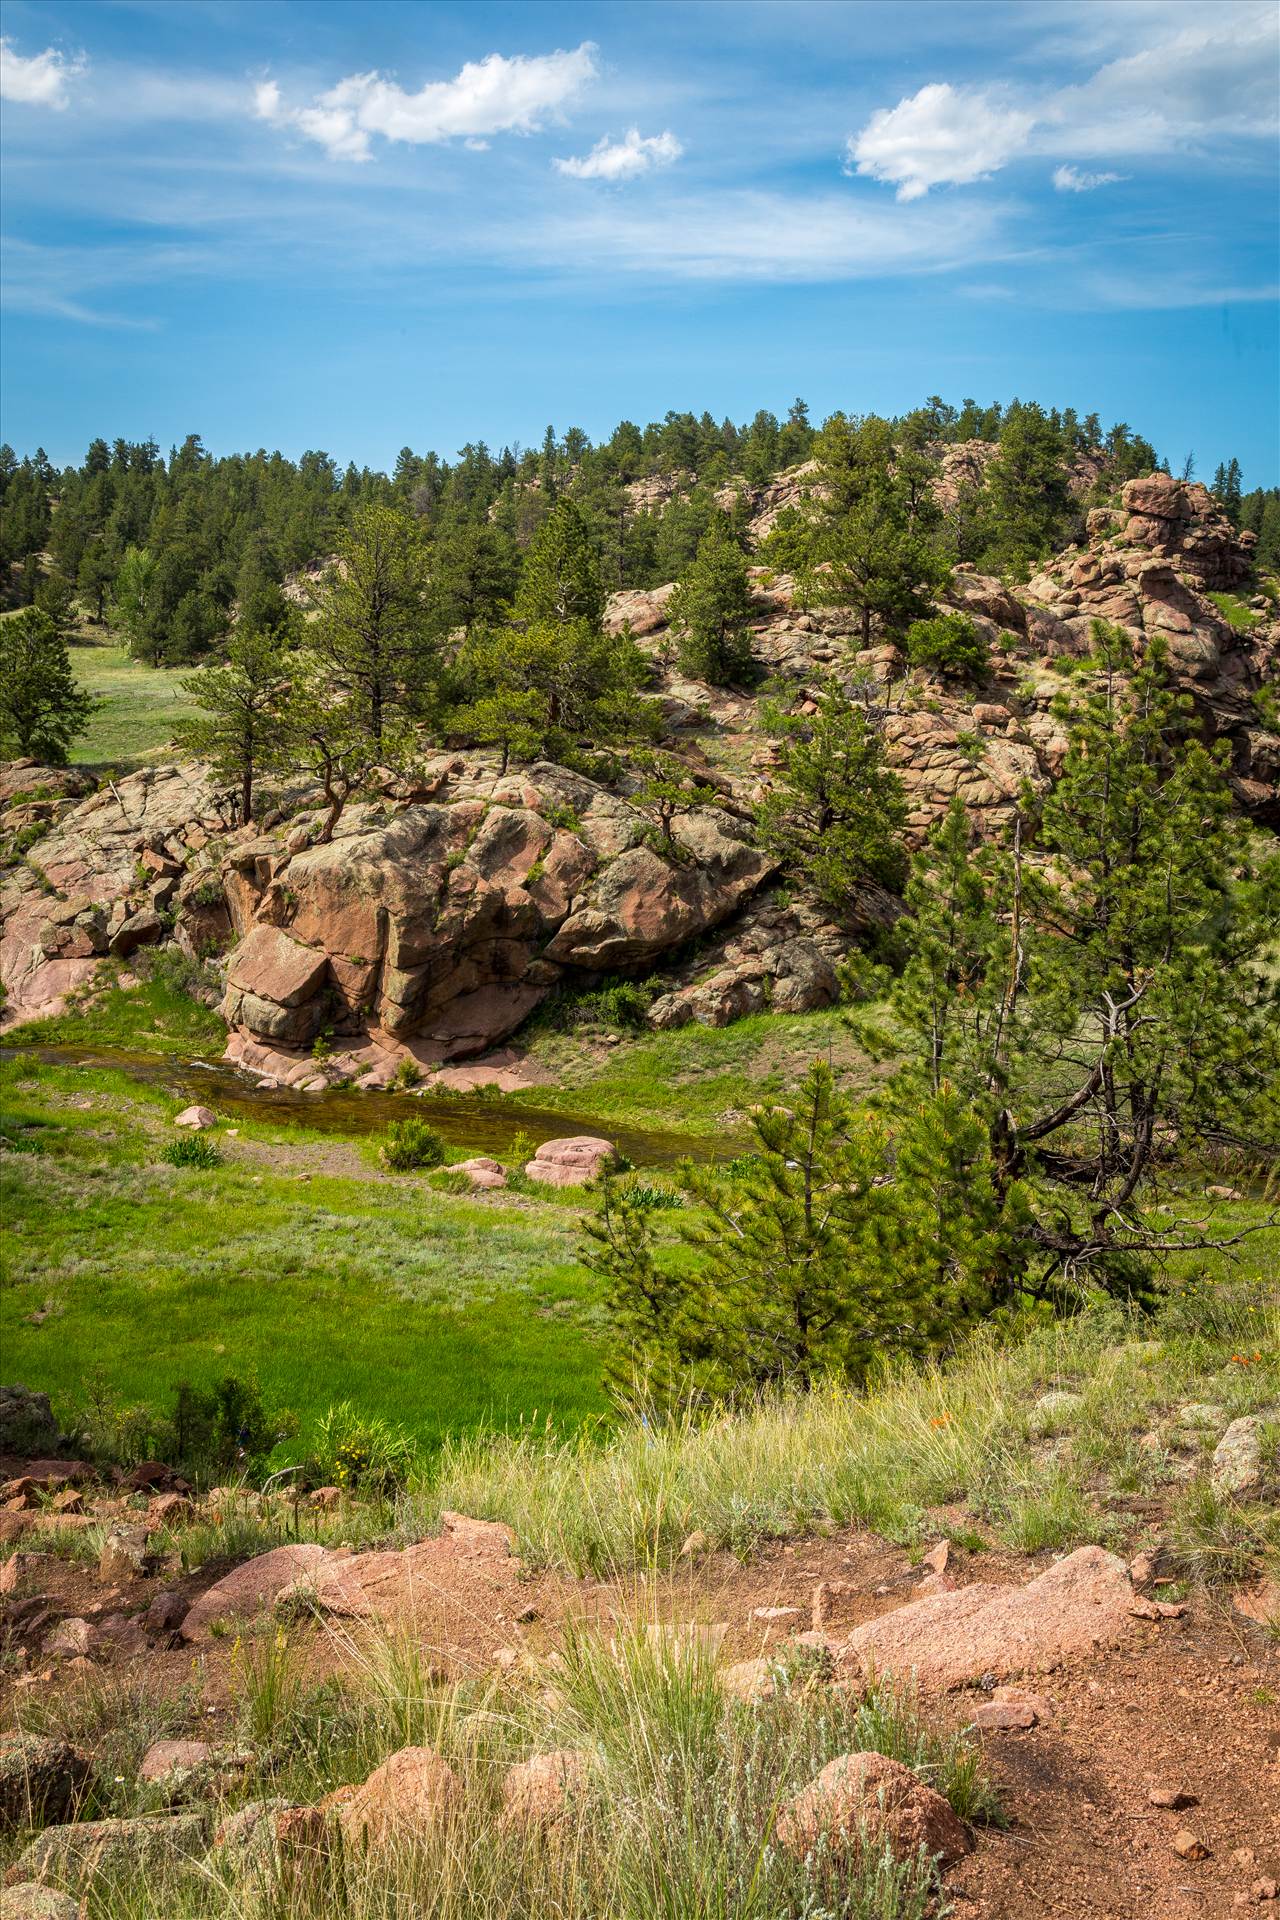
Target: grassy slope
x=421 y=1306
x=157 y=1017
x=697 y=1079
x=134 y=724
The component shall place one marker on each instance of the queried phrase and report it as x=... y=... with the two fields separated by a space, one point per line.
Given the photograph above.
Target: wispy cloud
x=37 y=79
x=1212 y=80
x=758 y=236
x=1072 y=180
x=623 y=159
x=493 y=95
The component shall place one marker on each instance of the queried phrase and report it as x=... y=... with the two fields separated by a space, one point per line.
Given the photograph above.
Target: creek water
x=479 y=1122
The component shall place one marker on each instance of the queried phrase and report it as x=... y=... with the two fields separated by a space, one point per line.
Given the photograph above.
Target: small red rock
x=1188 y=1846
x=1173 y=1798
x=1004 y=1716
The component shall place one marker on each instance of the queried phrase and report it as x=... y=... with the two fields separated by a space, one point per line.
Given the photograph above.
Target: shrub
x=354 y=1449
x=192 y=1151
x=948 y=644
x=411 y=1144
x=407 y=1074
x=648 y=1198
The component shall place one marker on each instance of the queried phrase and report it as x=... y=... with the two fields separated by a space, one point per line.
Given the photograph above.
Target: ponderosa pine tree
x=710 y=610
x=836 y=813
x=241 y=726
x=326 y=733
x=42 y=709
x=1106 y=1007
x=372 y=624
x=561 y=576
x=872 y=537
x=812 y=1260
x=474 y=568
x=670 y=788
x=1026 y=496
x=551 y=687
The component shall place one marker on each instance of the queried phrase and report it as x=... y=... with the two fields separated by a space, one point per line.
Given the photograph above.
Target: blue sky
x=359 y=226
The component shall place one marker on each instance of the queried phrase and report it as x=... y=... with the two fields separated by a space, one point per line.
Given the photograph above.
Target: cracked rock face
x=449 y=921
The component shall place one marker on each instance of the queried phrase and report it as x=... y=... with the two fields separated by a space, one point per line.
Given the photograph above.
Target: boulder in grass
x=40 y=1779
x=482 y=1172
x=198 y=1119
x=31 y=1901
x=1082 y=1602
x=412 y=1792
x=253 y=1587
x=570 y=1162
x=538 y=1793
x=868 y=1800
x=137 y=1852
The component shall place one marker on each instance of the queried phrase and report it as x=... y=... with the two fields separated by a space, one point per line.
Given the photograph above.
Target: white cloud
x=38 y=80
x=1071 y=180
x=941 y=136
x=493 y=95
x=1213 y=80
x=623 y=159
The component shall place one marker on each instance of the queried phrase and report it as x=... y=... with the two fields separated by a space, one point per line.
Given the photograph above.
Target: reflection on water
x=482 y=1124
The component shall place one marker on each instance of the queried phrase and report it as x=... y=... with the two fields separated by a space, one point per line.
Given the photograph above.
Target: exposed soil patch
x=1184 y=1705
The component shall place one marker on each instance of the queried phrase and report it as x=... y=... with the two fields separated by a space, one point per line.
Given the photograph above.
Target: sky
x=308 y=223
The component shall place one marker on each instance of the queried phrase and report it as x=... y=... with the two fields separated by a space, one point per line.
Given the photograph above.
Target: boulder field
x=450 y=905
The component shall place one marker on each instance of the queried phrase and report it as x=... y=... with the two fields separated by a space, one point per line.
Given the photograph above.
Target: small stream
x=480 y=1123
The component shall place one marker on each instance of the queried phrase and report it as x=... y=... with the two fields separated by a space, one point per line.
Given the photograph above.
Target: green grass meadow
x=435 y=1311
x=139 y=707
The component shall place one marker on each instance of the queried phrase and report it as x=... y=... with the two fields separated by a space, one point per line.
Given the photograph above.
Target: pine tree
x=830 y=1247
x=837 y=812
x=710 y=610
x=875 y=543
x=668 y=789
x=561 y=576
x=372 y=626
x=325 y=732
x=42 y=709
x=1109 y=997
x=1027 y=505
x=241 y=727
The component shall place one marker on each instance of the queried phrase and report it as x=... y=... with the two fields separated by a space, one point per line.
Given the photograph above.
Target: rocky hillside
x=444 y=912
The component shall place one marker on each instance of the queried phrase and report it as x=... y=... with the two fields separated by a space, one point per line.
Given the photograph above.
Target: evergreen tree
x=710 y=610
x=41 y=707
x=561 y=576
x=132 y=597
x=372 y=626
x=813 y=1260
x=325 y=731
x=1027 y=505
x=876 y=530
x=551 y=688
x=949 y=644
x=1100 y=1003
x=474 y=568
x=836 y=815
x=668 y=789
x=241 y=727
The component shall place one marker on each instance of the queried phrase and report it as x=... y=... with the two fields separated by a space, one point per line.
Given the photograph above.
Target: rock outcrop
x=442 y=914
x=448 y=921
